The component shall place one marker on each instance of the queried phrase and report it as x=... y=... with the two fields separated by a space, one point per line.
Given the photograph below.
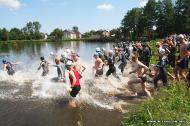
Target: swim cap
x=111 y=51
x=157 y=43
x=4 y=61
x=42 y=58
x=103 y=49
x=64 y=54
x=162 y=51
x=51 y=53
x=181 y=36
x=95 y=54
x=68 y=51
x=69 y=63
x=98 y=50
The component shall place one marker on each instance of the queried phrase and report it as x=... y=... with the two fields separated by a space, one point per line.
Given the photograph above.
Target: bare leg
x=176 y=72
x=143 y=84
x=131 y=85
x=72 y=103
x=183 y=73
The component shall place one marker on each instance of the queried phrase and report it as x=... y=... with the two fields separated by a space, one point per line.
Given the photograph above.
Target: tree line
x=29 y=32
x=157 y=19
x=32 y=32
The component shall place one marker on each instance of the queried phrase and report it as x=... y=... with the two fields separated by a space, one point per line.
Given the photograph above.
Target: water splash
x=95 y=92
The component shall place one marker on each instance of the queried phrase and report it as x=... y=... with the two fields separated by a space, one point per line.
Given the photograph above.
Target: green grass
x=172 y=104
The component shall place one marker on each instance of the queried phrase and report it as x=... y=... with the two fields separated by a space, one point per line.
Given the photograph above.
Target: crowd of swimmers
x=172 y=51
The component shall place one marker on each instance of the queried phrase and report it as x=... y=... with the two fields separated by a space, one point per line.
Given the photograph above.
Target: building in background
x=78 y=35
x=69 y=34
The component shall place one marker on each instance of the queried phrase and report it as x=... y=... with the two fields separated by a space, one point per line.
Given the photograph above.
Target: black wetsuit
x=112 y=68
x=146 y=55
x=127 y=53
x=10 y=70
x=123 y=60
x=172 y=56
x=140 y=52
x=162 y=75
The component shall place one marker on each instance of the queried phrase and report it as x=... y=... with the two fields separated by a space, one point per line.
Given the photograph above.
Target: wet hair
x=4 y=61
x=57 y=60
x=42 y=58
x=134 y=56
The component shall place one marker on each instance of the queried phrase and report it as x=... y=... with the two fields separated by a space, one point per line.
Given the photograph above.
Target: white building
x=68 y=34
x=106 y=33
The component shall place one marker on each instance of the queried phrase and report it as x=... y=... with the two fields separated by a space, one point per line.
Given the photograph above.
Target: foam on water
x=93 y=91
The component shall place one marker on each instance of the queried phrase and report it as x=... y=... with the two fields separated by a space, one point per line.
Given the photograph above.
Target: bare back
x=183 y=50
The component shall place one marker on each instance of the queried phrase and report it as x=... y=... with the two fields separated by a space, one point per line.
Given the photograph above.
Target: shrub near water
x=173 y=104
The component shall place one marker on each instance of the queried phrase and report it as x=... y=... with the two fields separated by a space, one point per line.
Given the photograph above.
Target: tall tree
x=130 y=23
x=36 y=29
x=149 y=16
x=57 y=33
x=75 y=28
x=15 y=34
x=30 y=30
x=165 y=20
x=4 y=34
x=182 y=16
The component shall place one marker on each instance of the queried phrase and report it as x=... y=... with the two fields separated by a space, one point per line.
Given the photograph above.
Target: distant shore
x=64 y=40
x=68 y=40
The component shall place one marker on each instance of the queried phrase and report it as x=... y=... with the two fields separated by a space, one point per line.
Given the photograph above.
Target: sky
x=86 y=14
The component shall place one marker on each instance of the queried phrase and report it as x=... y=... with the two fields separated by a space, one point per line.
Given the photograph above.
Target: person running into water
x=161 y=73
x=44 y=65
x=146 y=55
x=110 y=62
x=182 y=62
x=8 y=66
x=172 y=54
x=77 y=64
x=98 y=66
x=60 y=70
x=74 y=77
x=123 y=60
x=141 y=70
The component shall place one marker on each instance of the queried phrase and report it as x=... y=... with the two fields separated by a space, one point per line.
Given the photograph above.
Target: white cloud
x=143 y=3
x=11 y=4
x=105 y=7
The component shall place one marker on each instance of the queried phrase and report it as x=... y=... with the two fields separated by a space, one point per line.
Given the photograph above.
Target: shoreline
x=65 y=40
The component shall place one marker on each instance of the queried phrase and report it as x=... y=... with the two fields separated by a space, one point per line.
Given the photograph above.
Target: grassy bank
x=172 y=104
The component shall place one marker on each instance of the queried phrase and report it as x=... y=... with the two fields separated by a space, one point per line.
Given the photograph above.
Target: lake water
x=27 y=99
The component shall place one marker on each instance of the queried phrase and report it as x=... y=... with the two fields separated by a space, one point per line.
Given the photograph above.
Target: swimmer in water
x=98 y=65
x=60 y=70
x=78 y=64
x=110 y=62
x=8 y=66
x=44 y=65
x=74 y=77
x=141 y=70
